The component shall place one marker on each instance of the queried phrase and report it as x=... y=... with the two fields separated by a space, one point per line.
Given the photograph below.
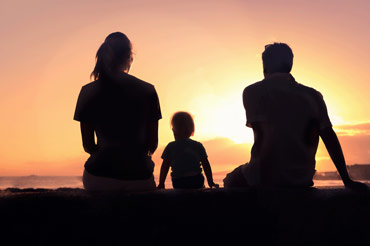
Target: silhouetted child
x=185 y=157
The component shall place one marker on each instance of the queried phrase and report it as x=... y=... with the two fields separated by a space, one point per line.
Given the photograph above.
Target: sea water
x=54 y=182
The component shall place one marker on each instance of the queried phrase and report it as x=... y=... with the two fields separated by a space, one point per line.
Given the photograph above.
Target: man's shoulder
x=253 y=88
x=309 y=90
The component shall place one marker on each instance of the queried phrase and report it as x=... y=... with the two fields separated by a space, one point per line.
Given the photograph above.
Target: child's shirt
x=184 y=156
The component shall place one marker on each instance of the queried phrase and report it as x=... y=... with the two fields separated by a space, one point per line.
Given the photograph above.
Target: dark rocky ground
x=209 y=217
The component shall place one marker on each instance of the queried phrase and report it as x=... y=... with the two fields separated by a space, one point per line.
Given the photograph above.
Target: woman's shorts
x=95 y=184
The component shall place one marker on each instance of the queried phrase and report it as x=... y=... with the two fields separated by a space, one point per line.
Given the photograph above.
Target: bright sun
x=222 y=117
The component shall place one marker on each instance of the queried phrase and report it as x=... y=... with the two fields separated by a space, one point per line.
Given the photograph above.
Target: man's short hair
x=277 y=58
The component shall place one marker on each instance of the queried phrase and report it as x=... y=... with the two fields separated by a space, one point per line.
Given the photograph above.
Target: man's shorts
x=236 y=178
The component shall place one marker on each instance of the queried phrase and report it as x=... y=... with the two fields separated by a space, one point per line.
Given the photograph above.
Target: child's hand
x=212 y=184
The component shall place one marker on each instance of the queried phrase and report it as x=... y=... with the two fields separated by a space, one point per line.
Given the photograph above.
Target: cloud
x=355 y=142
x=353 y=129
x=356 y=148
x=63 y=167
x=225 y=154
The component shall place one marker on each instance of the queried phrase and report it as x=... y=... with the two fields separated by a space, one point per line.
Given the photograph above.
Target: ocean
x=54 y=182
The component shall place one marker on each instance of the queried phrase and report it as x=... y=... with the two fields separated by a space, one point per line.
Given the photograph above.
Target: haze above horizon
x=200 y=55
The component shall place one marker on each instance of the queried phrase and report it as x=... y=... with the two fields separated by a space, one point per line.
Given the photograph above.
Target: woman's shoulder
x=137 y=81
x=90 y=88
x=90 y=84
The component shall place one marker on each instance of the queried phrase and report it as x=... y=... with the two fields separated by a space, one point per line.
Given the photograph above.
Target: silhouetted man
x=287 y=119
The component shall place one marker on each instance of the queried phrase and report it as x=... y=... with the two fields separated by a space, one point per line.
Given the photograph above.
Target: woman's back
x=120 y=110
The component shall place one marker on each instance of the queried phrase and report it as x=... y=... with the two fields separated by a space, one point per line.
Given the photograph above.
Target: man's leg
x=236 y=178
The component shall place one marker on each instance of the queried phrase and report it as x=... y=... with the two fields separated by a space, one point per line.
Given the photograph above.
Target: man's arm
x=88 y=140
x=332 y=144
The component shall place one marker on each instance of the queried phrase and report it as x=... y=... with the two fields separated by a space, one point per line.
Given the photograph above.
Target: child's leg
x=191 y=182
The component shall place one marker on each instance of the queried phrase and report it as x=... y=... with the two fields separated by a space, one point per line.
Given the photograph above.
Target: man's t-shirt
x=120 y=112
x=292 y=115
x=185 y=157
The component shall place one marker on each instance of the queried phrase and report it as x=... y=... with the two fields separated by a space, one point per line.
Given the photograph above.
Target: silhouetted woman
x=123 y=112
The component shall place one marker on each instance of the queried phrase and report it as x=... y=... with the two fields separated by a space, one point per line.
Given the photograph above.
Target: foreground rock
x=238 y=216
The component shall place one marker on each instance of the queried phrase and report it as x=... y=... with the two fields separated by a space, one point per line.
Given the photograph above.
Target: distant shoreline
x=321 y=179
x=357 y=171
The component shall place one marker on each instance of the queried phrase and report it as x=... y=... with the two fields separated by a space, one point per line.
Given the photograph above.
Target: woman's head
x=182 y=125
x=114 y=55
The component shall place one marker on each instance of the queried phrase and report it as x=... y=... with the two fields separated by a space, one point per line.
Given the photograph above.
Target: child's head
x=182 y=125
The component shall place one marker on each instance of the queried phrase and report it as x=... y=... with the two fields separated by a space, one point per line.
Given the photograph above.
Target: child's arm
x=164 y=170
x=208 y=172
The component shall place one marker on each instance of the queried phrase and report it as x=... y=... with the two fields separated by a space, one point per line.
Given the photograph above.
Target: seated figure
x=287 y=119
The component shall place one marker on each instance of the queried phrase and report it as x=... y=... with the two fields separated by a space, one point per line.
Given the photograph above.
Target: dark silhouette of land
x=356 y=171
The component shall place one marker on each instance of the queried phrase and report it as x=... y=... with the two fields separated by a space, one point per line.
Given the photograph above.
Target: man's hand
x=356 y=186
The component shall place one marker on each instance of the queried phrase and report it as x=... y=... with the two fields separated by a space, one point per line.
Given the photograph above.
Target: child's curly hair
x=182 y=123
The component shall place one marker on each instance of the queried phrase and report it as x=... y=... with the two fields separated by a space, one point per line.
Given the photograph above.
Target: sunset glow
x=199 y=55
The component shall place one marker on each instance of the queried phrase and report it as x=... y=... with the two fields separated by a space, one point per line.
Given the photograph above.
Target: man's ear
x=264 y=72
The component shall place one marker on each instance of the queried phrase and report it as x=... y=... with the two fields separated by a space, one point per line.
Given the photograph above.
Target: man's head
x=277 y=58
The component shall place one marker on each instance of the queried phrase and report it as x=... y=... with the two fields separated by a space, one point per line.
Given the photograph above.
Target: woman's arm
x=88 y=140
x=164 y=170
x=153 y=136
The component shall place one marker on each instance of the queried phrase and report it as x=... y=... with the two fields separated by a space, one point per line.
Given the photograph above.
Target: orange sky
x=199 y=55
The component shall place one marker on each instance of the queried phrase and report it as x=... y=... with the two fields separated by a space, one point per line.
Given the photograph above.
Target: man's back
x=287 y=120
x=292 y=115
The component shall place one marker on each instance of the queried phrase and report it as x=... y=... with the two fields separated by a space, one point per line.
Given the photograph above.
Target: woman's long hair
x=113 y=55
